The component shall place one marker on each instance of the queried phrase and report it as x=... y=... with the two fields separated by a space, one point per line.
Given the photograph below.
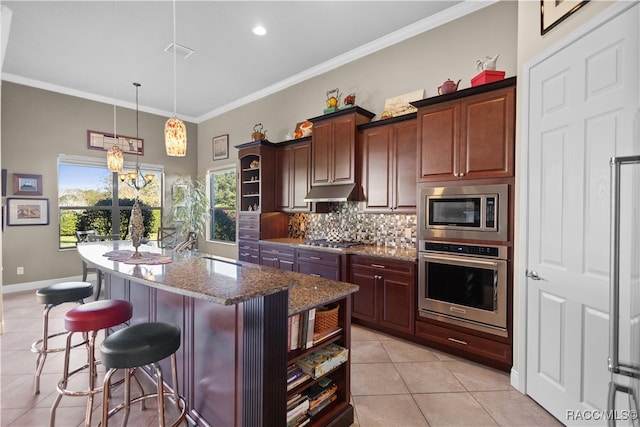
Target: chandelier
x=135 y=178
x=175 y=132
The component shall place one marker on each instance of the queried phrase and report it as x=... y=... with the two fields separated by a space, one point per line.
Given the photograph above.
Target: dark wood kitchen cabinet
x=277 y=256
x=256 y=177
x=253 y=226
x=387 y=161
x=320 y=263
x=293 y=176
x=387 y=295
x=333 y=146
x=468 y=134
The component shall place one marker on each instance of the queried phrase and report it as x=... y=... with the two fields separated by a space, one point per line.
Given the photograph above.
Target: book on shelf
x=300 y=409
x=321 y=406
x=318 y=395
x=302 y=334
x=295 y=383
x=294 y=373
x=295 y=330
x=299 y=421
x=321 y=336
x=323 y=360
x=311 y=316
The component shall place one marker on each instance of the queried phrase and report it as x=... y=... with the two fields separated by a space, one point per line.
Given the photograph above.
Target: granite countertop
x=219 y=280
x=402 y=254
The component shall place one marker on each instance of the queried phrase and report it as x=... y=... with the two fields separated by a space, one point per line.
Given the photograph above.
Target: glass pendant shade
x=115 y=159
x=175 y=137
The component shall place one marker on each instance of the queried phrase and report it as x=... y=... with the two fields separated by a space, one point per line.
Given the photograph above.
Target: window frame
x=223 y=169
x=83 y=161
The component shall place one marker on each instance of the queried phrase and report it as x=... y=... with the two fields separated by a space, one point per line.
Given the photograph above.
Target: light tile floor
x=393 y=382
x=401 y=384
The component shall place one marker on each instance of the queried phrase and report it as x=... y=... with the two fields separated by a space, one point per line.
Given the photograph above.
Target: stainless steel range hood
x=331 y=193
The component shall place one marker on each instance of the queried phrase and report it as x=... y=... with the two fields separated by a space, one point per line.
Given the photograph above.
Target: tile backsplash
x=346 y=222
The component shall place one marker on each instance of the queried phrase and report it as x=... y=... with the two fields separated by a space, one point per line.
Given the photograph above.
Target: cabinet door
x=405 y=152
x=364 y=303
x=397 y=303
x=437 y=150
x=300 y=183
x=283 y=178
x=488 y=134
x=376 y=167
x=321 y=152
x=344 y=150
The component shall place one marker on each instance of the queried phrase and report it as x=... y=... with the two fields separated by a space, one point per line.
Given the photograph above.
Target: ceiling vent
x=180 y=51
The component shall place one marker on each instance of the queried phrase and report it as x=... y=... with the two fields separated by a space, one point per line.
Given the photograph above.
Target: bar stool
x=52 y=296
x=88 y=319
x=137 y=346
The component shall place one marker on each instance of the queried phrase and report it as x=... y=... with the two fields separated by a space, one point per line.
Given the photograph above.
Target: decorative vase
x=137 y=228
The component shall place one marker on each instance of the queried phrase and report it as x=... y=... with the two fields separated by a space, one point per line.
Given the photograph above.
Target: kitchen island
x=234 y=318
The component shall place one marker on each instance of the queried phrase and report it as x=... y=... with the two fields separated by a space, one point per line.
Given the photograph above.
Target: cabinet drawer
x=460 y=341
x=278 y=251
x=249 y=221
x=318 y=270
x=382 y=265
x=319 y=257
x=244 y=245
x=246 y=233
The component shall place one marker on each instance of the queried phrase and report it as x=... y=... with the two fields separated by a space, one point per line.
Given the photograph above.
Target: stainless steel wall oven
x=464 y=284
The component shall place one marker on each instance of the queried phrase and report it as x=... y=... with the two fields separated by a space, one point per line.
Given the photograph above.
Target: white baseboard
x=515 y=381
x=31 y=286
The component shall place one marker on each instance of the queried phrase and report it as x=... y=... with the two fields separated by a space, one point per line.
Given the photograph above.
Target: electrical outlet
x=20 y=271
x=407 y=233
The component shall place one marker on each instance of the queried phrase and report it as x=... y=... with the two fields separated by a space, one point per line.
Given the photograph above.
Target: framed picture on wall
x=221 y=147
x=104 y=141
x=553 y=12
x=27 y=211
x=27 y=185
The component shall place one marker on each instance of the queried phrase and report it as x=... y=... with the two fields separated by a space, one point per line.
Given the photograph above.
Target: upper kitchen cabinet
x=333 y=146
x=257 y=177
x=293 y=176
x=467 y=134
x=387 y=161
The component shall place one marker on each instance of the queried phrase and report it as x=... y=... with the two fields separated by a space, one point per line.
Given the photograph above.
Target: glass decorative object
x=115 y=159
x=175 y=137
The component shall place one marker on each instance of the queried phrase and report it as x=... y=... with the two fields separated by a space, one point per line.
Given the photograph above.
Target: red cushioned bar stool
x=136 y=346
x=88 y=319
x=52 y=296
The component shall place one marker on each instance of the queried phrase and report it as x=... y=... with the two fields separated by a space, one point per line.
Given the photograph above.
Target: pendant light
x=175 y=132
x=115 y=156
x=135 y=178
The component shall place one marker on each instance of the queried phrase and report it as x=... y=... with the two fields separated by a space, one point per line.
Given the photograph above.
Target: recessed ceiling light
x=259 y=30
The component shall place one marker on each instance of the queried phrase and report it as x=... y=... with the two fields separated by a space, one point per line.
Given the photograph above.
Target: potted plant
x=190 y=209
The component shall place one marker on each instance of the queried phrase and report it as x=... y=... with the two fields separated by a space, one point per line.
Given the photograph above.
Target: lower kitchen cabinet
x=495 y=352
x=277 y=256
x=387 y=295
x=319 y=263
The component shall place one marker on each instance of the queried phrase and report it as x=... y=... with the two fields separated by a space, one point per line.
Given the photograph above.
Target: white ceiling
x=97 y=49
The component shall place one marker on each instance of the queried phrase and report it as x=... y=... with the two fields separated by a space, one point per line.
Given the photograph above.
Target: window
x=222 y=208
x=92 y=198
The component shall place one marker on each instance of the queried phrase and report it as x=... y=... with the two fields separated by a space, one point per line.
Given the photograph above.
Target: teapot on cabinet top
x=448 y=87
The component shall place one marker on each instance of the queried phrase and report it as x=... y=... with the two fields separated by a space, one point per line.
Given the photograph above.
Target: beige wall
x=421 y=62
x=37 y=126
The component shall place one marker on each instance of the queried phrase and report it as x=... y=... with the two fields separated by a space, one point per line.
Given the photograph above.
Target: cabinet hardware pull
x=314 y=274
x=461 y=173
x=315 y=257
x=457 y=341
x=378 y=266
x=455 y=174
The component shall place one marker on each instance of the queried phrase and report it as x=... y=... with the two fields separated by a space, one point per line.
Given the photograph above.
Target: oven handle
x=466 y=261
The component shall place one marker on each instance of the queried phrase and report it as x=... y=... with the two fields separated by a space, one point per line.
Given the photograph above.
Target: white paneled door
x=582 y=107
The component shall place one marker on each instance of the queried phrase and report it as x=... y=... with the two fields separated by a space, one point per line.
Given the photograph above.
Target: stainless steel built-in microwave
x=464 y=212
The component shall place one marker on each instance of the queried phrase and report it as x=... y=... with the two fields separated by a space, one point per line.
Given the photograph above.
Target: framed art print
x=27 y=211
x=221 y=147
x=553 y=12
x=27 y=185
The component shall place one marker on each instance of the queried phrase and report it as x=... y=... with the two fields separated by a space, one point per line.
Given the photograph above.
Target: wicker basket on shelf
x=326 y=319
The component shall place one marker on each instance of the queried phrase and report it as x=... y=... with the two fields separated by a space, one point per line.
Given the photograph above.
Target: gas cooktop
x=324 y=243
